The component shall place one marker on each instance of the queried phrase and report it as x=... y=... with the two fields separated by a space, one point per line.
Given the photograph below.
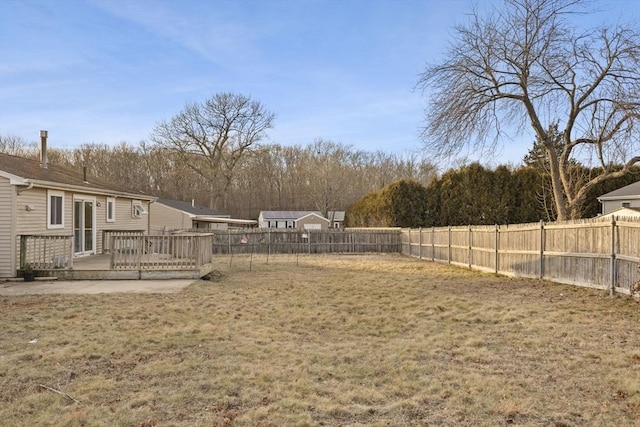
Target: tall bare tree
x=211 y=137
x=525 y=65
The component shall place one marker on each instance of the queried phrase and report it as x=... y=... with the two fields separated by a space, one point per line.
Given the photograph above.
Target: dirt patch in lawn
x=325 y=340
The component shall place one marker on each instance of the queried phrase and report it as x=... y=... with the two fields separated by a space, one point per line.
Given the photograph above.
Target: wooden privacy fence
x=309 y=241
x=598 y=253
x=132 y=251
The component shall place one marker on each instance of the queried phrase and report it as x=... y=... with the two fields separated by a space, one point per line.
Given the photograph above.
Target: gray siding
x=164 y=217
x=7 y=268
x=610 y=205
x=35 y=220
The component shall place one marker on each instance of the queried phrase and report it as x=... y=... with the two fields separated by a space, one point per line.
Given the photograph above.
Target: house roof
x=190 y=208
x=230 y=221
x=336 y=215
x=629 y=191
x=622 y=212
x=286 y=215
x=29 y=171
x=316 y=214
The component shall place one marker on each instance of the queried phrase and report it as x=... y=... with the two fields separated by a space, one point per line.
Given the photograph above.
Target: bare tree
x=18 y=146
x=211 y=137
x=525 y=65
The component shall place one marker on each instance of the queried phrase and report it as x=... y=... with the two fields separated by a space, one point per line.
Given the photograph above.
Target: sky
x=340 y=70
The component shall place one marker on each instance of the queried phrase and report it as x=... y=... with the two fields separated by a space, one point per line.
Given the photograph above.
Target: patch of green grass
x=325 y=340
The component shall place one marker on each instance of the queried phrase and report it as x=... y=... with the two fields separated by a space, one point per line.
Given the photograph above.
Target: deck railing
x=160 y=252
x=46 y=252
x=130 y=250
x=108 y=234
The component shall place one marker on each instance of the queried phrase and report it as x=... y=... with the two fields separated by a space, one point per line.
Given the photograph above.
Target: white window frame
x=50 y=194
x=111 y=201
x=137 y=209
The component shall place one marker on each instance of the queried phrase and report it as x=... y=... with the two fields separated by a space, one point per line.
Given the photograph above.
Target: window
x=55 y=209
x=626 y=204
x=111 y=209
x=137 y=209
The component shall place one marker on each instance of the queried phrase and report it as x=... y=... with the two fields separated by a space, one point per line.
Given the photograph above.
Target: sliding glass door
x=84 y=232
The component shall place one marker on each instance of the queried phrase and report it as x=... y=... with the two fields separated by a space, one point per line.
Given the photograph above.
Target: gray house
x=43 y=205
x=625 y=197
x=167 y=215
x=300 y=220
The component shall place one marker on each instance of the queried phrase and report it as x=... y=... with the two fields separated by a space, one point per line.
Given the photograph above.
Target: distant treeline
x=375 y=188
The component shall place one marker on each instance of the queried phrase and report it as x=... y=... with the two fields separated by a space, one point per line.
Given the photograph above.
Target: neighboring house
x=167 y=215
x=300 y=220
x=622 y=212
x=625 y=197
x=38 y=198
x=336 y=218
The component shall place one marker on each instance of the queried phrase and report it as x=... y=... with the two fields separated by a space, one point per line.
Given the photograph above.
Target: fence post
x=542 y=243
x=420 y=252
x=497 y=245
x=433 y=244
x=269 y=243
x=470 y=240
x=449 y=252
x=612 y=289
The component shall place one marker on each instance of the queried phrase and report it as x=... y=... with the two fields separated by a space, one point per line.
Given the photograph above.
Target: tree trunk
x=559 y=196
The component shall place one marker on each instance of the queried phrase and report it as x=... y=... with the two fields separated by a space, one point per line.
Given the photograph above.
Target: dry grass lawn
x=327 y=341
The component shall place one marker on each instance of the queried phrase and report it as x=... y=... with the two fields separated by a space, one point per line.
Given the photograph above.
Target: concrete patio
x=41 y=287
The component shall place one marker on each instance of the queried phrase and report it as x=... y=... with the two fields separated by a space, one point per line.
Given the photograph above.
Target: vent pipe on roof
x=193 y=203
x=44 y=162
x=84 y=174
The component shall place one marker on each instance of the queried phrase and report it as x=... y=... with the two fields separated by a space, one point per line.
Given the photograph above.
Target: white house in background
x=622 y=212
x=42 y=199
x=625 y=197
x=300 y=220
x=170 y=215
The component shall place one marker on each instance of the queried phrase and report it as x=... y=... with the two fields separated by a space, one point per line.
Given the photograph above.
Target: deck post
x=23 y=251
x=198 y=251
x=112 y=253
x=70 y=263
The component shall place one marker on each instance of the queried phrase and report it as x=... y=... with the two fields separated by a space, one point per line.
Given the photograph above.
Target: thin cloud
x=214 y=38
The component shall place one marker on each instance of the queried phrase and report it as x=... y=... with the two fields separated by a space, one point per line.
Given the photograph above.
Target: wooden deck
x=97 y=267
x=184 y=256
